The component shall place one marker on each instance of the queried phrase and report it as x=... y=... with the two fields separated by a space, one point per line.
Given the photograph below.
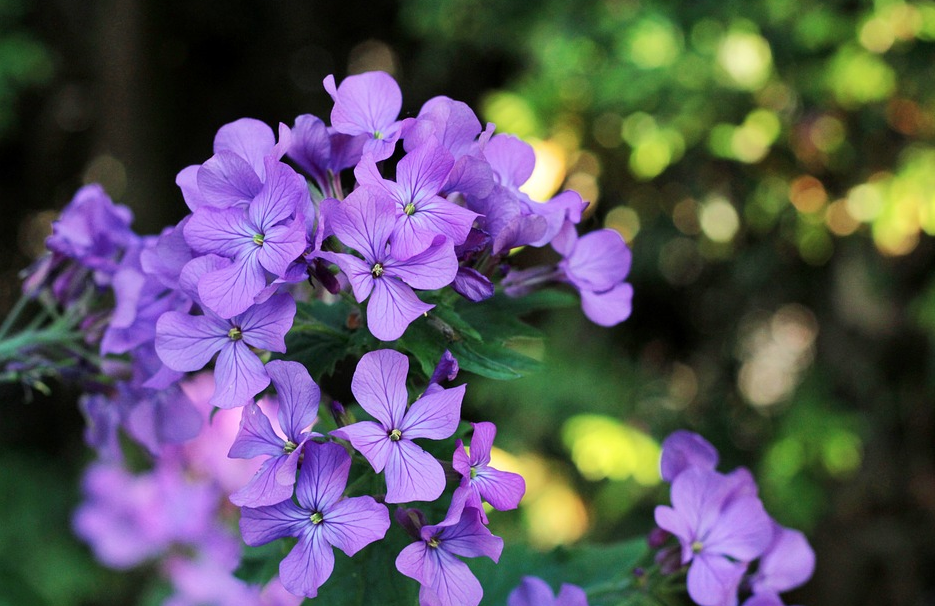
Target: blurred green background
x=771 y=163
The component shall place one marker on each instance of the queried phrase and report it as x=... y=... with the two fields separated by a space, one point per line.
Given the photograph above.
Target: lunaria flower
x=379 y=384
x=533 y=591
x=502 y=489
x=322 y=519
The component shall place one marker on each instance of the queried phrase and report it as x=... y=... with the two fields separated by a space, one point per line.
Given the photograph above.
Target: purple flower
x=684 y=449
x=764 y=599
x=533 y=591
x=187 y=343
x=597 y=265
x=379 y=384
x=364 y=222
x=236 y=172
x=322 y=152
x=267 y=235
x=720 y=532
x=788 y=562
x=446 y=580
x=368 y=104
x=420 y=212
x=502 y=489
x=322 y=519
x=298 y=399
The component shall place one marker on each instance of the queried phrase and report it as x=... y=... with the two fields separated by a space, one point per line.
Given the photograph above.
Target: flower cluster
x=722 y=528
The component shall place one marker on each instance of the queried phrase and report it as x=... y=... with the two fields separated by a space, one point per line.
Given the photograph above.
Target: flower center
x=377 y=270
x=395 y=435
x=697 y=546
x=289 y=447
x=473 y=473
x=235 y=333
x=434 y=542
x=258 y=239
x=377 y=134
x=317 y=517
x=410 y=209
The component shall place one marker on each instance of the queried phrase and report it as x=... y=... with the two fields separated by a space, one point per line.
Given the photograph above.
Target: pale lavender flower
x=502 y=489
x=379 y=384
x=367 y=105
x=321 y=151
x=788 y=562
x=298 y=398
x=684 y=449
x=719 y=532
x=433 y=561
x=533 y=591
x=322 y=519
x=420 y=212
x=266 y=236
x=187 y=343
x=364 y=222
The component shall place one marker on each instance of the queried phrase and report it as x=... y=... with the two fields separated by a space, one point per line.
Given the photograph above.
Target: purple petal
x=220 y=231
x=472 y=285
x=265 y=325
x=264 y=488
x=187 y=180
x=411 y=561
x=255 y=436
x=698 y=495
x=166 y=259
x=250 y=139
x=282 y=245
x=764 y=599
x=431 y=217
x=423 y=171
x=453 y=124
x=684 y=449
x=672 y=521
x=298 y=396
x=446 y=369
x=451 y=580
x=599 y=261
x=366 y=103
x=434 y=267
x=434 y=416
x=788 y=562
x=364 y=222
x=323 y=476
x=511 y=158
x=571 y=595
x=311 y=147
x=713 y=580
x=482 y=442
x=261 y=525
x=226 y=179
x=566 y=207
x=392 y=308
x=238 y=376
x=532 y=591
x=352 y=524
x=282 y=195
x=187 y=343
x=307 y=566
x=502 y=489
x=412 y=474
x=379 y=384
x=743 y=530
x=231 y=290
x=470 y=538
x=608 y=308
x=369 y=439
x=196 y=268
x=357 y=272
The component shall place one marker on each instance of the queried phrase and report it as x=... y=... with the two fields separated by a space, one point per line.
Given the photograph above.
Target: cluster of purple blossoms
x=221 y=290
x=722 y=528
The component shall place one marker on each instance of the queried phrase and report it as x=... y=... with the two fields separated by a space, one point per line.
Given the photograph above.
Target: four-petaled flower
x=379 y=384
x=502 y=489
x=323 y=518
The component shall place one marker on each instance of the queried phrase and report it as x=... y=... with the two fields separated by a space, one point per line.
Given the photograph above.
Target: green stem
x=13 y=315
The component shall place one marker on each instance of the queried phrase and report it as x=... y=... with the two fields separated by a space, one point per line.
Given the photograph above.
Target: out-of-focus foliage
x=24 y=60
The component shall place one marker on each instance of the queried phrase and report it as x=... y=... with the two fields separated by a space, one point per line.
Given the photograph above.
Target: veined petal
x=364 y=222
x=238 y=376
x=231 y=290
x=282 y=245
x=470 y=538
x=366 y=103
x=599 y=261
x=265 y=325
x=379 y=384
x=502 y=489
x=511 y=158
x=713 y=580
x=423 y=171
x=187 y=180
x=264 y=488
x=369 y=439
x=788 y=562
x=323 y=476
x=412 y=474
x=226 y=179
x=221 y=231
x=249 y=139
x=392 y=308
x=352 y=524
x=434 y=216
x=743 y=530
x=434 y=267
x=308 y=565
x=255 y=436
x=283 y=194
x=411 y=561
x=684 y=449
x=482 y=442
x=434 y=416
x=608 y=308
x=187 y=343
x=298 y=396
x=261 y=525
x=451 y=580
x=356 y=270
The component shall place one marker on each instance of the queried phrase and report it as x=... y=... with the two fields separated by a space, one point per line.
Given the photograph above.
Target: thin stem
x=13 y=315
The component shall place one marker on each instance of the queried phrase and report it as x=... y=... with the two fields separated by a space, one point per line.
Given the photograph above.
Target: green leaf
x=495 y=361
x=320 y=337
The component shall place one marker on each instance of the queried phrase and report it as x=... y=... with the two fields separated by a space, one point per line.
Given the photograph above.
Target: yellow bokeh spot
x=511 y=113
x=839 y=221
x=719 y=220
x=865 y=202
x=807 y=194
x=623 y=220
x=605 y=448
x=549 y=172
x=653 y=43
x=746 y=58
x=556 y=516
x=842 y=453
x=856 y=76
